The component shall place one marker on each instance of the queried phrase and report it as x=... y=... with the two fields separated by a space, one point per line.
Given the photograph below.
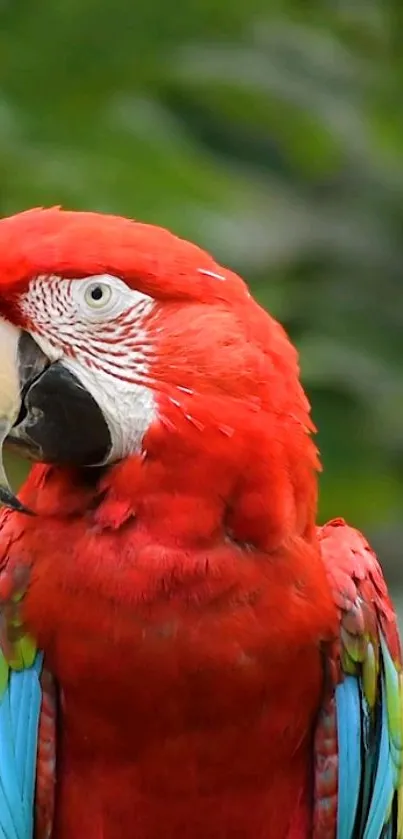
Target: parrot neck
x=188 y=495
x=211 y=468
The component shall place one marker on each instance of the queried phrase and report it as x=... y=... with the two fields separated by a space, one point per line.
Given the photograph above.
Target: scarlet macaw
x=184 y=652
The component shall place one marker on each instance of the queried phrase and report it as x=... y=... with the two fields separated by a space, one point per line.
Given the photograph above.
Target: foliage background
x=271 y=132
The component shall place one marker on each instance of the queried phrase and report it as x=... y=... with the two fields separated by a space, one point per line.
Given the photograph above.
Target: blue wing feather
x=348 y=715
x=363 y=702
x=349 y=726
x=383 y=789
x=10 y=800
x=20 y=707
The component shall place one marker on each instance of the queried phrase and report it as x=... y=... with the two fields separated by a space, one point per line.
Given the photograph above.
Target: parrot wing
x=359 y=737
x=27 y=721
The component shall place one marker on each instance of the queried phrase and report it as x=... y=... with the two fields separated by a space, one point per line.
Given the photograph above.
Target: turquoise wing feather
x=359 y=736
x=27 y=725
x=20 y=706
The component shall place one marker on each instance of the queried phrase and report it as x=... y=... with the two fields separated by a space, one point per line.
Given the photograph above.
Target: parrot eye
x=98 y=295
x=104 y=297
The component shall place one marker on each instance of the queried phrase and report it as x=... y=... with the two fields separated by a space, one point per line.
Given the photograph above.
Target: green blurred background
x=270 y=132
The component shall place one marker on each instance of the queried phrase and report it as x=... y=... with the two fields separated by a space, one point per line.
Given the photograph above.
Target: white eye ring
x=97 y=295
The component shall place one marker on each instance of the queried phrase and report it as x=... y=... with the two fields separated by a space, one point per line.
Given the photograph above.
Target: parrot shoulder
x=27 y=707
x=359 y=734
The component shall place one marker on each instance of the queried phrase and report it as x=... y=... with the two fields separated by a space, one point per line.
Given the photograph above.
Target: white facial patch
x=97 y=327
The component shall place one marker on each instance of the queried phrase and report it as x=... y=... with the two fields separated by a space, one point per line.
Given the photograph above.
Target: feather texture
x=364 y=701
x=27 y=729
x=20 y=704
x=199 y=632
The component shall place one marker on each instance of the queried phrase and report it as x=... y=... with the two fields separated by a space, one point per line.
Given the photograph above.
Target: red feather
x=365 y=610
x=190 y=667
x=180 y=597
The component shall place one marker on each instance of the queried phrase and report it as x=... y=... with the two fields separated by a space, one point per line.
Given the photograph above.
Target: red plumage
x=180 y=596
x=171 y=650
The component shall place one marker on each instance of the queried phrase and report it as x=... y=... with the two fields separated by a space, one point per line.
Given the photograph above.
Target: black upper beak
x=52 y=418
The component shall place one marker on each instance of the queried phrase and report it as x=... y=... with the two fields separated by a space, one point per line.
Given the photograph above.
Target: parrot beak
x=46 y=414
x=10 y=403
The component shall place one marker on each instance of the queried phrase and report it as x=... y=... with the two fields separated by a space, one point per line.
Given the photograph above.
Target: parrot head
x=112 y=331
